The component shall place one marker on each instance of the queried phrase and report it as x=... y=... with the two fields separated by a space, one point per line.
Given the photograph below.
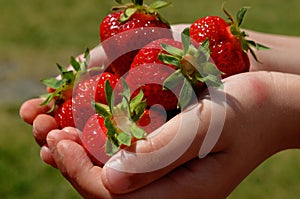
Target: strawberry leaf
x=124 y=138
x=110 y=147
x=186 y=40
x=169 y=59
x=136 y=100
x=61 y=68
x=137 y=132
x=159 y=4
x=185 y=95
x=109 y=95
x=240 y=15
x=137 y=2
x=127 y=14
x=212 y=80
x=173 y=80
x=102 y=109
x=138 y=111
x=125 y=93
x=87 y=56
x=74 y=63
x=257 y=45
x=210 y=68
x=172 y=50
x=112 y=131
x=203 y=53
x=48 y=98
x=51 y=82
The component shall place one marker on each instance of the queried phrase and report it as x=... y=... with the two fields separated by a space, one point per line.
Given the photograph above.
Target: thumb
x=175 y=143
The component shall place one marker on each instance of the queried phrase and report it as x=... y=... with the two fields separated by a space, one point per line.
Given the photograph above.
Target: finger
x=42 y=125
x=32 y=108
x=76 y=166
x=174 y=144
x=68 y=133
x=46 y=156
x=57 y=135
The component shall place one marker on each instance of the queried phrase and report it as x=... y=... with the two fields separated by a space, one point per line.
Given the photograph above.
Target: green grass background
x=35 y=34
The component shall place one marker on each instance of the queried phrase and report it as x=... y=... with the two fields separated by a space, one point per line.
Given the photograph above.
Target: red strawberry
x=60 y=89
x=93 y=139
x=94 y=135
x=79 y=96
x=128 y=29
x=151 y=120
x=64 y=115
x=212 y=27
x=149 y=73
x=168 y=72
x=117 y=126
x=89 y=90
x=100 y=90
x=228 y=44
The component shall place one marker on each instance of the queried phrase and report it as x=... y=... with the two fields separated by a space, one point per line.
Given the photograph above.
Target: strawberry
x=60 y=89
x=64 y=115
x=148 y=72
x=151 y=120
x=168 y=72
x=94 y=135
x=93 y=138
x=127 y=23
x=75 y=90
x=117 y=126
x=88 y=90
x=228 y=44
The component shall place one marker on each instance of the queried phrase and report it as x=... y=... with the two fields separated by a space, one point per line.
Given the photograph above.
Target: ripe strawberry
x=93 y=138
x=100 y=88
x=116 y=126
x=128 y=29
x=89 y=90
x=168 y=72
x=151 y=120
x=64 y=115
x=94 y=135
x=75 y=90
x=228 y=44
x=60 y=89
x=148 y=72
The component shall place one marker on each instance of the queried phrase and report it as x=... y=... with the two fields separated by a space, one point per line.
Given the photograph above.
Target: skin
x=261 y=119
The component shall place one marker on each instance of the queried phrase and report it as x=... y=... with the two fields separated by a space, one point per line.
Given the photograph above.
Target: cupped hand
x=261 y=119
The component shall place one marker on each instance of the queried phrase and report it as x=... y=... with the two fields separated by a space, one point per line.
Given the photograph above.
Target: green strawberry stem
x=193 y=66
x=138 y=2
x=139 y=6
x=120 y=119
x=235 y=30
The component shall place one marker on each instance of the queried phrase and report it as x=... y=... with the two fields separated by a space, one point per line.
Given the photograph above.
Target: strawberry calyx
x=138 y=6
x=121 y=119
x=61 y=87
x=193 y=67
x=234 y=28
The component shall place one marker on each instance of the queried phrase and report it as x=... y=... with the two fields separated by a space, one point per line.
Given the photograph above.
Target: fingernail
x=51 y=139
x=61 y=146
x=116 y=181
x=70 y=130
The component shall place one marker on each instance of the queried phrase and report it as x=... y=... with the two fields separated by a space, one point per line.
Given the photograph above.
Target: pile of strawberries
x=148 y=76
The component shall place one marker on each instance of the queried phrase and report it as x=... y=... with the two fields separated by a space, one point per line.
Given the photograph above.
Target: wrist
x=286 y=100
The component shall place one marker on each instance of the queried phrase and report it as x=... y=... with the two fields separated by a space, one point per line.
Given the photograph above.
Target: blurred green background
x=35 y=35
